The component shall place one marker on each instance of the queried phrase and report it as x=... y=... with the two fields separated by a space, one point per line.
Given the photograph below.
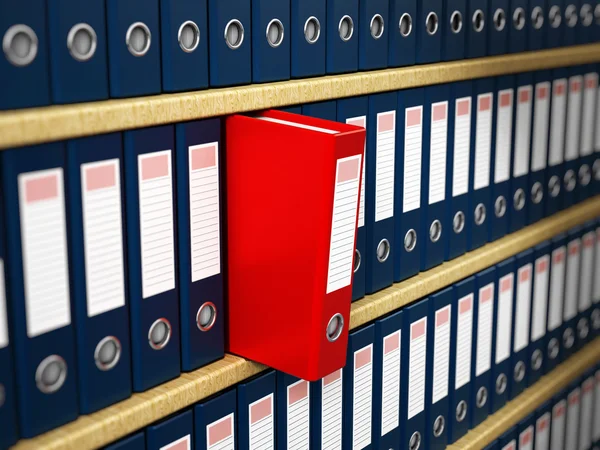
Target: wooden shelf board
x=53 y=123
x=142 y=409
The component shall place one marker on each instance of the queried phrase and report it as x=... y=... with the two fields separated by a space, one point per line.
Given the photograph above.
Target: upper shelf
x=53 y=123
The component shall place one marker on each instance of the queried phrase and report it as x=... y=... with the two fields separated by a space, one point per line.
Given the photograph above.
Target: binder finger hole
x=431 y=23
x=346 y=28
x=159 y=334
x=478 y=21
x=51 y=374
x=537 y=193
x=537 y=17
x=234 y=34
x=438 y=426
x=554 y=186
x=584 y=175
x=107 y=353
x=586 y=15
x=377 y=26
x=597 y=14
x=583 y=328
x=568 y=338
x=82 y=42
x=335 y=327
x=461 y=411
x=414 y=442
x=501 y=383
x=481 y=399
x=20 y=45
x=312 y=30
x=500 y=206
x=519 y=371
x=571 y=15
x=595 y=317
x=456 y=22
x=435 y=231
x=405 y=25
x=458 y=222
x=519 y=199
x=480 y=214
x=555 y=17
x=206 y=316
x=410 y=240
x=383 y=250
x=275 y=33
x=596 y=170
x=519 y=19
x=499 y=19
x=138 y=39
x=553 y=348
x=537 y=358
x=570 y=180
x=357 y=260
x=188 y=36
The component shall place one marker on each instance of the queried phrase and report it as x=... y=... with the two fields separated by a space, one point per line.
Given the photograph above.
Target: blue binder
x=502 y=339
x=321 y=110
x=429 y=31
x=41 y=327
x=408 y=192
x=537 y=24
x=184 y=45
x=342 y=36
x=543 y=419
x=461 y=351
x=354 y=110
x=573 y=263
x=200 y=265
x=526 y=432
x=480 y=173
x=78 y=72
x=558 y=260
x=326 y=414
x=292 y=109
x=573 y=410
x=585 y=188
x=572 y=137
x=153 y=289
x=483 y=330
x=373 y=34
x=386 y=382
x=556 y=23
x=477 y=21
x=508 y=440
x=174 y=433
x=270 y=42
x=518 y=29
x=457 y=182
x=214 y=422
x=519 y=183
x=256 y=405
x=413 y=412
x=25 y=78
x=586 y=278
x=307 y=39
x=434 y=227
x=571 y=18
x=293 y=412
x=134 y=442
x=133 y=68
x=98 y=268
x=230 y=60
x=559 y=420
x=403 y=35
x=503 y=130
x=439 y=323
x=586 y=23
x=521 y=322
x=539 y=311
x=454 y=44
x=499 y=26
x=379 y=192
x=492 y=446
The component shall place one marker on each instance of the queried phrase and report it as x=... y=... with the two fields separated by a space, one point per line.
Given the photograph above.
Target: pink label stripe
x=573 y=398
x=463 y=107
x=558 y=410
x=220 y=431
x=591 y=82
x=588 y=386
x=417 y=329
x=42 y=188
x=298 y=392
x=155 y=167
x=413 y=117
x=588 y=240
x=260 y=410
x=524 y=95
x=558 y=256
x=332 y=377
x=385 y=122
x=526 y=438
x=524 y=275
x=181 y=445
x=573 y=248
x=505 y=99
x=541 y=265
x=542 y=425
x=485 y=102
x=510 y=446
x=348 y=170
x=465 y=304
x=391 y=343
x=204 y=157
x=442 y=316
x=575 y=85
x=360 y=122
x=362 y=358
x=486 y=294
x=100 y=177
x=506 y=284
x=559 y=88
x=542 y=92
x=439 y=112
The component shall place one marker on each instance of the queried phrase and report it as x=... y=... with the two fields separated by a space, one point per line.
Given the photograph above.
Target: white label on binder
x=103 y=236
x=540 y=126
x=570 y=306
x=464 y=338
x=483 y=141
x=441 y=354
x=331 y=408
x=385 y=168
x=540 y=298
x=587 y=414
x=596 y=427
x=557 y=125
x=503 y=136
x=184 y=443
x=416 y=367
x=597 y=135
x=390 y=383
x=204 y=211
x=542 y=432
x=523 y=131
x=3 y=317
x=485 y=325
x=220 y=435
x=557 y=430
x=596 y=289
x=44 y=243
x=462 y=146
x=361 y=122
x=572 y=419
x=557 y=289
x=156 y=222
x=526 y=439
x=589 y=108
x=262 y=434
x=573 y=118
x=362 y=390
x=504 y=319
x=298 y=416
x=523 y=308
x=437 y=154
x=413 y=146
x=587 y=268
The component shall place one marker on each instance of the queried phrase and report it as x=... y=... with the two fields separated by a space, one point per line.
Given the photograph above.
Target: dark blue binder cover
x=571 y=18
x=543 y=419
x=573 y=136
x=293 y=412
x=438 y=376
x=429 y=31
x=386 y=382
x=519 y=22
x=554 y=326
x=358 y=390
x=379 y=192
x=556 y=23
x=25 y=78
x=98 y=268
x=455 y=34
x=573 y=268
x=457 y=178
x=43 y=340
x=354 y=110
x=292 y=109
x=508 y=440
x=256 y=406
x=230 y=59
x=184 y=44
x=153 y=290
x=214 y=421
x=134 y=442
x=373 y=40
x=407 y=195
x=492 y=446
x=586 y=275
x=402 y=47
x=78 y=72
x=537 y=24
x=342 y=36
x=326 y=414
x=434 y=227
x=585 y=188
x=477 y=21
x=198 y=163
x=539 y=311
x=502 y=132
x=587 y=23
x=270 y=40
x=499 y=20
x=413 y=412
x=175 y=432
x=308 y=36
x=321 y=110
x=526 y=432
x=133 y=68
x=483 y=328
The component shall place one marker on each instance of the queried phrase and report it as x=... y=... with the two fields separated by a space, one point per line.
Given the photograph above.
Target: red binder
x=293 y=186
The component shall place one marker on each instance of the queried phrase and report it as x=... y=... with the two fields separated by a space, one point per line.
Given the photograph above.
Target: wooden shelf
x=110 y=424
x=53 y=123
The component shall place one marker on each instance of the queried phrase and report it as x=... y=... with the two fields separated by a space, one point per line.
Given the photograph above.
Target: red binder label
x=503 y=135
x=220 y=434
x=572 y=282
x=540 y=298
x=587 y=413
x=462 y=146
x=485 y=321
x=540 y=126
x=526 y=439
x=464 y=338
x=361 y=122
x=504 y=319
x=441 y=354
x=331 y=408
x=437 y=156
x=413 y=148
x=557 y=430
x=557 y=287
x=587 y=271
x=542 y=432
x=385 y=168
x=573 y=118
x=416 y=367
x=522 y=131
x=262 y=435
x=483 y=141
x=589 y=109
x=180 y=444
x=390 y=383
x=362 y=391
x=558 y=123
x=298 y=416
x=523 y=308
x=572 y=419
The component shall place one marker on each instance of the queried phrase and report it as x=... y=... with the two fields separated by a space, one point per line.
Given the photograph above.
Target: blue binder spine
x=586 y=274
x=214 y=422
x=573 y=263
x=536 y=30
x=454 y=44
x=270 y=40
x=429 y=31
x=342 y=36
x=321 y=110
x=134 y=442
x=477 y=22
x=402 y=43
x=326 y=416
x=373 y=34
x=555 y=171
x=571 y=18
x=508 y=440
x=308 y=36
x=175 y=433
x=293 y=410
x=558 y=259
x=556 y=23
x=588 y=123
x=499 y=26
x=256 y=408
x=519 y=23
x=572 y=138
x=539 y=311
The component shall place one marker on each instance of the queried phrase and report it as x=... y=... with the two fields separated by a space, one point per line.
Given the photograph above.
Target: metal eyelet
x=481 y=397
x=188 y=36
x=357 y=260
x=439 y=424
x=206 y=316
x=377 y=26
x=478 y=21
x=519 y=19
x=414 y=442
x=586 y=15
x=554 y=186
x=519 y=372
x=537 y=193
x=480 y=214
x=570 y=181
x=159 y=334
x=595 y=319
x=405 y=25
x=383 y=250
x=138 y=39
x=568 y=338
x=431 y=23
x=20 y=45
x=501 y=384
x=585 y=175
x=51 y=374
x=335 y=327
x=410 y=240
x=499 y=19
x=596 y=170
x=519 y=199
x=461 y=411
x=555 y=17
x=107 y=353
x=553 y=348
x=597 y=13
x=312 y=30
x=346 y=28
x=537 y=358
x=435 y=231
x=458 y=222
x=583 y=328
x=82 y=42
x=275 y=33
x=500 y=206
x=571 y=15
x=234 y=34
x=456 y=22
x=537 y=17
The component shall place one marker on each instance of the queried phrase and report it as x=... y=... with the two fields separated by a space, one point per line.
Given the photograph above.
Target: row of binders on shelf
x=67 y=51
x=422 y=376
